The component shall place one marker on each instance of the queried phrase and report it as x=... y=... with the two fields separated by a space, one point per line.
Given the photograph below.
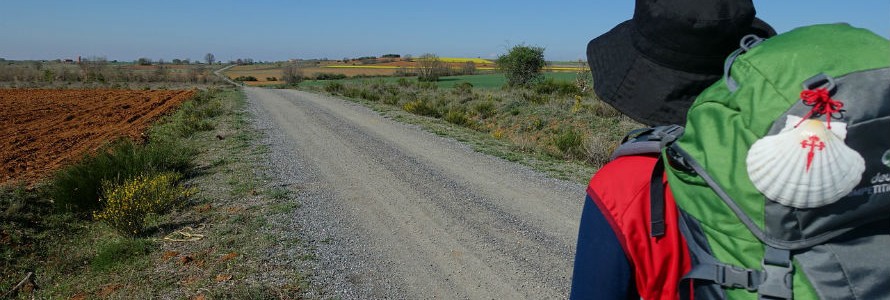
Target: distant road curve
x=226 y=78
x=396 y=212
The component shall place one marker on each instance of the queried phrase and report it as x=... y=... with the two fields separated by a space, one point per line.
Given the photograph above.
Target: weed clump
x=457 y=117
x=571 y=143
x=77 y=187
x=126 y=205
x=421 y=107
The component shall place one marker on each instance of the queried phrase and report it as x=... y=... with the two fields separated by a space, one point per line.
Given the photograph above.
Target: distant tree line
x=98 y=69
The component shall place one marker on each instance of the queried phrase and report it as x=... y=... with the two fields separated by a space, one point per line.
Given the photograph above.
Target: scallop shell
x=806 y=165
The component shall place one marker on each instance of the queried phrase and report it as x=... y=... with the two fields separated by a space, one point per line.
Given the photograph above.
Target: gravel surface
x=391 y=211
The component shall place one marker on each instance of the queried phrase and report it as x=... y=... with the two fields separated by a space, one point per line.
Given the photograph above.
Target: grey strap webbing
x=647 y=140
x=707 y=268
x=747 y=42
x=776 y=274
x=771 y=283
x=656 y=200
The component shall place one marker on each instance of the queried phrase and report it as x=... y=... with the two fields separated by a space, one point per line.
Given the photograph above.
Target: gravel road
x=391 y=211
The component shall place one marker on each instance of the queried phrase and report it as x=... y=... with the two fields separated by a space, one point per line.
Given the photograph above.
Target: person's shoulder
x=615 y=186
x=626 y=170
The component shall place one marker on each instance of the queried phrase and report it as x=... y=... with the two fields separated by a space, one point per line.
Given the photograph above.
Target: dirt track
x=40 y=130
x=394 y=212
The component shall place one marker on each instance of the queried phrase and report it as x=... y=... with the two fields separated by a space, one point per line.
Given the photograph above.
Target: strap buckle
x=776 y=281
x=736 y=277
x=667 y=134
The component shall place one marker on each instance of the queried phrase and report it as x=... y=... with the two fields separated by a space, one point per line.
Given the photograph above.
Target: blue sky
x=279 y=30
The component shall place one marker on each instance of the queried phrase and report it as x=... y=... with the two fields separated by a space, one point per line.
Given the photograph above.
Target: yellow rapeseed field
x=464 y=59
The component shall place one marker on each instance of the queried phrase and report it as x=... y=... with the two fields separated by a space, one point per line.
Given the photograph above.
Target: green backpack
x=782 y=174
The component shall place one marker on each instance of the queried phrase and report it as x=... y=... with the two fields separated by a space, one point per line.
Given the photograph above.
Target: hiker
x=779 y=181
x=650 y=68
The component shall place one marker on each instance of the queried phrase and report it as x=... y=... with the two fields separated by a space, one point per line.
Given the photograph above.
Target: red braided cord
x=822 y=104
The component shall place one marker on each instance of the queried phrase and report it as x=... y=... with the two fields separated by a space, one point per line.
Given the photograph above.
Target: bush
x=369 y=95
x=558 y=87
x=429 y=68
x=328 y=76
x=292 y=74
x=421 y=107
x=245 y=78
x=522 y=65
x=77 y=187
x=271 y=79
x=457 y=117
x=334 y=87
x=485 y=109
x=125 y=205
x=571 y=143
x=405 y=82
x=463 y=88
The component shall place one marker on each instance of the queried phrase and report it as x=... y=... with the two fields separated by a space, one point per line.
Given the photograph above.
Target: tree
x=93 y=68
x=292 y=73
x=429 y=67
x=522 y=65
x=209 y=58
x=469 y=68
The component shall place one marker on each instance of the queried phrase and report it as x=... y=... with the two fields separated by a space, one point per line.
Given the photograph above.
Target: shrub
x=271 y=79
x=405 y=82
x=534 y=97
x=126 y=205
x=485 y=109
x=463 y=88
x=469 y=68
x=571 y=143
x=522 y=65
x=334 y=87
x=429 y=68
x=369 y=95
x=559 y=87
x=292 y=74
x=421 y=107
x=245 y=78
x=77 y=187
x=328 y=76
x=458 y=117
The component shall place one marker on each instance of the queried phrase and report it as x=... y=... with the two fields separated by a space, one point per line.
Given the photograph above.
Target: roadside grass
x=213 y=245
x=482 y=81
x=552 y=127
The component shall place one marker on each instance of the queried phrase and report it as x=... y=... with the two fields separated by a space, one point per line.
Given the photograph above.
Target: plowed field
x=41 y=130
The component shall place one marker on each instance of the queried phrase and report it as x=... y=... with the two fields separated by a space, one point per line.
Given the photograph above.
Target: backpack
x=782 y=175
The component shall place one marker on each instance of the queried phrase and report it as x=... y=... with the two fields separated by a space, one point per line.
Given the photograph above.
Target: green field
x=487 y=81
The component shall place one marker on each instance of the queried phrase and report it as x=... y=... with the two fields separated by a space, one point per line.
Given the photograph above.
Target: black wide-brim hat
x=653 y=66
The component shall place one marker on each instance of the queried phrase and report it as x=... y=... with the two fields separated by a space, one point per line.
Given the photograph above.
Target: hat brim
x=640 y=88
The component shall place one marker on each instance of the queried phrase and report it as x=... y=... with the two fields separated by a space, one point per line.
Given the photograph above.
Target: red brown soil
x=42 y=130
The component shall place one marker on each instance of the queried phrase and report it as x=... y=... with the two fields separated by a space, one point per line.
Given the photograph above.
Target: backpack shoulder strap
x=647 y=140
x=651 y=141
